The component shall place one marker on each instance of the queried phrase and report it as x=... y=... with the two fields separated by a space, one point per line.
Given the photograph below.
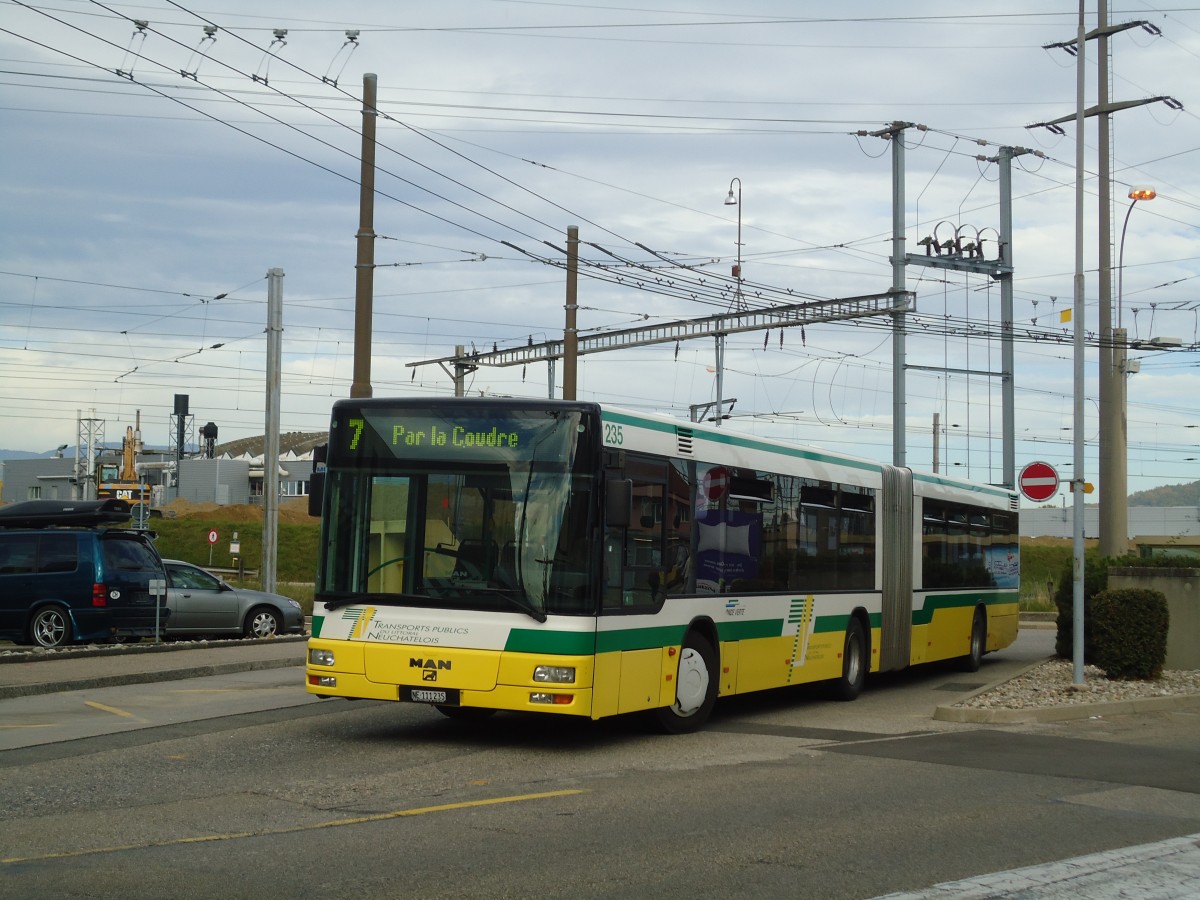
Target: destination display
x=455 y=435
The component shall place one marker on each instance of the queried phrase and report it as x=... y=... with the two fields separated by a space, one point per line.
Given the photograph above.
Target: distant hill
x=25 y=454
x=1168 y=495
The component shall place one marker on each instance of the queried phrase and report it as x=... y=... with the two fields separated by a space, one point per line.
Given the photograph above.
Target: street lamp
x=736 y=200
x=1114 y=496
x=731 y=199
x=1136 y=193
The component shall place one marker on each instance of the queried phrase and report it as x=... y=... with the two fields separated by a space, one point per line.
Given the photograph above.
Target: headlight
x=295 y=603
x=554 y=674
x=320 y=657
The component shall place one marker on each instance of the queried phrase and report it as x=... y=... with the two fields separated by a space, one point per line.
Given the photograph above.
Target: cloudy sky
x=152 y=175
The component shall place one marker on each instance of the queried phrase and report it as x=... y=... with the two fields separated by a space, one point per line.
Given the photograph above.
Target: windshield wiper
x=517 y=600
x=391 y=599
x=424 y=600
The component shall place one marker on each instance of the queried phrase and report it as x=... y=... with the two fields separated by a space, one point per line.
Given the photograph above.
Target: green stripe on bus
x=735 y=440
x=639 y=638
x=747 y=631
x=566 y=643
x=991 y=490
x=924 y=615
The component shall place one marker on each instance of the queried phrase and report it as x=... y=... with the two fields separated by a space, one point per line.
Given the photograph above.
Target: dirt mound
x=294 y=509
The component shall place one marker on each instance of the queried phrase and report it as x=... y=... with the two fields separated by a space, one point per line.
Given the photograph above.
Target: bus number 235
x=613 y=434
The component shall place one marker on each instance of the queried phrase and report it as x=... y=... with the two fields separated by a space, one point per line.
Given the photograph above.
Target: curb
x=1062 y=713
x=1065 y=713
x=8 y=692
x=25 y=655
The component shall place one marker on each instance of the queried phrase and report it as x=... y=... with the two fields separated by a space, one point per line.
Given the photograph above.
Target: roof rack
x=52 y=513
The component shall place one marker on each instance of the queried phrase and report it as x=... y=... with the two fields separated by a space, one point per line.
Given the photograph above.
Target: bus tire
x=974 y=658
x=854 y=663
x=695 y=688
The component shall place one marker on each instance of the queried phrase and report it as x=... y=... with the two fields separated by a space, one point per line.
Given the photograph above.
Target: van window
x=18 y=554
x=128 y=556
x=58 y=553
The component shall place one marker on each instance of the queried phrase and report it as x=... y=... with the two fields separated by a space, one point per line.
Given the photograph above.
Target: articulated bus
x=567 y=558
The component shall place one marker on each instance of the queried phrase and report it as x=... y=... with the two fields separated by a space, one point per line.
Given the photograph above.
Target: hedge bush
x=1129 y=632
x=1095 y=579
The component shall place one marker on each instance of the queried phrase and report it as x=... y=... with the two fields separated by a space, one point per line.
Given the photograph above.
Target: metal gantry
x=784 y=316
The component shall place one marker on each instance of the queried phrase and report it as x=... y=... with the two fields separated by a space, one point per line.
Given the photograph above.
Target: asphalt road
x=240 y=785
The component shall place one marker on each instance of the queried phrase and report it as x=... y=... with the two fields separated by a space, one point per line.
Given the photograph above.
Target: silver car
x=201 y=603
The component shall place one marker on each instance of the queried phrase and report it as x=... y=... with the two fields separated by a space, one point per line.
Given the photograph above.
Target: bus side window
x=634 y=557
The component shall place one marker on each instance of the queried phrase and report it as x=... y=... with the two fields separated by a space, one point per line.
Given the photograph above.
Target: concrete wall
x=1167 y=521
x=1182 y=590
x=39 y=479
x=223 y=481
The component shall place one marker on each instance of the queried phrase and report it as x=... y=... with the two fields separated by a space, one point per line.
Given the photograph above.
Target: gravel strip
x=1052 y=684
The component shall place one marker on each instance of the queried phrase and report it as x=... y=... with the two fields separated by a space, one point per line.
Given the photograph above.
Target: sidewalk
x=24 y=673
x=1164 y=870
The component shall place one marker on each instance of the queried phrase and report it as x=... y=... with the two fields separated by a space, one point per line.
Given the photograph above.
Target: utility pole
x=963 y=257
x=1113 y=462
x=364 y=267
x=895 y=133
x=270 y=533
x=571 y=330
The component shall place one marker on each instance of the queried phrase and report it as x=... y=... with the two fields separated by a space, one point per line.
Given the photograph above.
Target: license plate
x=439 y=696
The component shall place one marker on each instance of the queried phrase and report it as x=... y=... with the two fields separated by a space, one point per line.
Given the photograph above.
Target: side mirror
x=316 y=482
x=618 y=502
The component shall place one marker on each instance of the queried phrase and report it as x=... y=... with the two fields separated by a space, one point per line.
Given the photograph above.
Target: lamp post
x=736 y=200
x=1136 y=193
x=731 y=199
x=1114 y=506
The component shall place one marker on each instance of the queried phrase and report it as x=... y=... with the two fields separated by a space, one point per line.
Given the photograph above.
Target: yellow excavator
x=120 y=478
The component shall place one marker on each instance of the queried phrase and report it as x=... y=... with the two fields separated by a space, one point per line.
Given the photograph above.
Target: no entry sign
x=1038 y=481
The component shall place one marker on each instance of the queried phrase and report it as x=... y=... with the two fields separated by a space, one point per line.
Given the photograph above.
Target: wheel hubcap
x=49 y=630
x=691 y=683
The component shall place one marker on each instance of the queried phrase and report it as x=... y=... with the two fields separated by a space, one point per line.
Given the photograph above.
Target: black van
x=67 y=575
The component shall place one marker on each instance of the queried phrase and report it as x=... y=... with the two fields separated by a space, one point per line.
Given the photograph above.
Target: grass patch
x=187 y=539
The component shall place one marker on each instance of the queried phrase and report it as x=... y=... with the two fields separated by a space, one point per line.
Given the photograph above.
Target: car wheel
x=50 y=627
x=262 y=623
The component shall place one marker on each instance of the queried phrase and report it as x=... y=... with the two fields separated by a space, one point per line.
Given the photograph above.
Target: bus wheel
x=974 y=657
x=695 y=688
x=465 y=713
x=854 y=663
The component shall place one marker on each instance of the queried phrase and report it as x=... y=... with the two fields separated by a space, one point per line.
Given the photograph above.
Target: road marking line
x=112 y=709
x=336 y=823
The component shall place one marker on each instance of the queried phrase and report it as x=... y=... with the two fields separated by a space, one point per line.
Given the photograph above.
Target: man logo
x=429 y=674
x=415 y=662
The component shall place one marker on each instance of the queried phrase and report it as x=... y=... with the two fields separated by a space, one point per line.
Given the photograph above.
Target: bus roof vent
x=1014 y=503
x=684 y=436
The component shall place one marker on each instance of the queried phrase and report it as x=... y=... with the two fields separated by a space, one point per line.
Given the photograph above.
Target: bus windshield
x=458 y=506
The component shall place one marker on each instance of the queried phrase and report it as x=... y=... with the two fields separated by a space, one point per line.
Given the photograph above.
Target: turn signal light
x=552 y=699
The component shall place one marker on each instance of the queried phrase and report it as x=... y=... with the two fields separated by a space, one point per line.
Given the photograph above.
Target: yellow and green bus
x=567 y=558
